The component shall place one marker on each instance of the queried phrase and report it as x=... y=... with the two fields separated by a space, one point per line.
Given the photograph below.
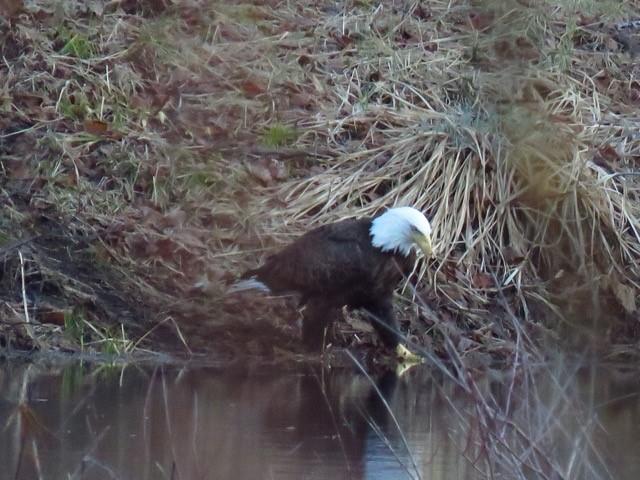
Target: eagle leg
x=385 y=323
x=317 y=319
x=388 y=328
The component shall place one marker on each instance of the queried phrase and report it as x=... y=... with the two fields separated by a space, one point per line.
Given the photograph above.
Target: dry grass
x=155 y=150
x=511 y=127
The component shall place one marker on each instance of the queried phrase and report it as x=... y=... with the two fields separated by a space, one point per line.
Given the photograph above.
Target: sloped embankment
x=151 y=151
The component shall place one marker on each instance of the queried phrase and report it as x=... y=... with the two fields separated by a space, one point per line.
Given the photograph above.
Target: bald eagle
x=356 y=262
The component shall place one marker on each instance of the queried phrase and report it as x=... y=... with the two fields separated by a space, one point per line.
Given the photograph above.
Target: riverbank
x=151 y=152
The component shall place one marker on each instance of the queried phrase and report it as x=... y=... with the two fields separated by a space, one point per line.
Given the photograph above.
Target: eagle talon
x=406 y=356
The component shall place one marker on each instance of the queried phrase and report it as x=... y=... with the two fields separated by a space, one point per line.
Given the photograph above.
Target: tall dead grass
x=508 y=125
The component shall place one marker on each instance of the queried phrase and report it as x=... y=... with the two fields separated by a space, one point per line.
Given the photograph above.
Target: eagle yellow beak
x=424 y=242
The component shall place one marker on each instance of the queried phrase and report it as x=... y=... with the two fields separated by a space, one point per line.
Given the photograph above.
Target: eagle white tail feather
x=249 y=284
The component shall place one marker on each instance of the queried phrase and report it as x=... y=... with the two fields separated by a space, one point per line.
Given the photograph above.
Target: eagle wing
x=329 y=261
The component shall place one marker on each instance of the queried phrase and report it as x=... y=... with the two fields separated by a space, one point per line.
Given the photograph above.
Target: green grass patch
x=110 y=340
x=75 y=44
x=74 y=326
x=111 y=345
x=279 y=135
x=74 y=107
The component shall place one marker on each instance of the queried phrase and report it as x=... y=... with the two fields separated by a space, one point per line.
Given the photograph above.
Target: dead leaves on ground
x=169 y=240
x=11 y=8
x=267 y=170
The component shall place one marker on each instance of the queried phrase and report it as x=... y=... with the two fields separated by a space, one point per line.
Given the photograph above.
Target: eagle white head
x=400 y=229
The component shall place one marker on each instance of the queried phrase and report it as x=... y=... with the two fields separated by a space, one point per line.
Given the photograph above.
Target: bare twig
x=27 y=326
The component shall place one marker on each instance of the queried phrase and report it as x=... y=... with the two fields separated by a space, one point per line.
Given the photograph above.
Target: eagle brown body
x=333 y=266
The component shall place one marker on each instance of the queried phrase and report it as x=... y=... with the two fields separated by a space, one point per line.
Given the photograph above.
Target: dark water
x=83 y=421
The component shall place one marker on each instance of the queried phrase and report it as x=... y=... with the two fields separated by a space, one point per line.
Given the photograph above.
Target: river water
x=81 y=420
